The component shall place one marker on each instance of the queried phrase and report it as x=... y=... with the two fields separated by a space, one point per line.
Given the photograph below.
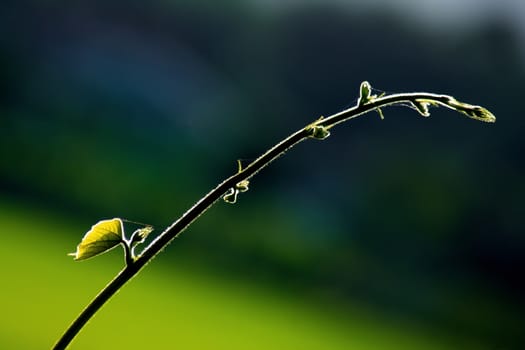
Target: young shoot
x=107 y=234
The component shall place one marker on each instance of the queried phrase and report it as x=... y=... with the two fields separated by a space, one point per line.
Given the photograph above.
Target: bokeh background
x=403 y=233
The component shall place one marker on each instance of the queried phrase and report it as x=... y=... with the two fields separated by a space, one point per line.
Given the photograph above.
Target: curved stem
x=128 y=252
x=317 y=129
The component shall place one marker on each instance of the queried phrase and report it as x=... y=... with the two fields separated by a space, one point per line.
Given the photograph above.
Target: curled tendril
x=240 y=187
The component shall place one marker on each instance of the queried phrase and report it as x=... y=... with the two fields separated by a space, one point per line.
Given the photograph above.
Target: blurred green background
x=405 y=233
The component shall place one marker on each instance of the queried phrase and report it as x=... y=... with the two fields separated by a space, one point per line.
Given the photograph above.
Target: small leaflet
x=365 y=91
x=140 y=235
x=103 y=236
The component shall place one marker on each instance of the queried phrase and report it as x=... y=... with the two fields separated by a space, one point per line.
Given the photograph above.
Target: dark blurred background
x=135 y=110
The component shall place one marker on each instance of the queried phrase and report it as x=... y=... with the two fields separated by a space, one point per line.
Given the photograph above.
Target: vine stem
x=318 y=130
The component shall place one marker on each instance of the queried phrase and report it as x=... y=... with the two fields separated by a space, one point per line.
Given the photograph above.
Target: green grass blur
x=178 y=307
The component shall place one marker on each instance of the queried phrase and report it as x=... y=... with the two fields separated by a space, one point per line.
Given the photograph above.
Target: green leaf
x=103 y=236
